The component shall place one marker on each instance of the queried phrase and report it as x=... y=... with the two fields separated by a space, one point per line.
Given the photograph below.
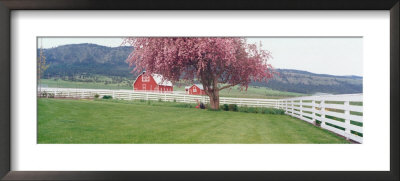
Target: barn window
x=194 y=89
x=144 y=86
x=145 y=78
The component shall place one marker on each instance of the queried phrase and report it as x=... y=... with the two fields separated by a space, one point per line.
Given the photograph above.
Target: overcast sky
x=335 y=56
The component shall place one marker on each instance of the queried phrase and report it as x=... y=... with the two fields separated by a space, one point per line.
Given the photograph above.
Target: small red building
x=152 y=83
x=196 y=89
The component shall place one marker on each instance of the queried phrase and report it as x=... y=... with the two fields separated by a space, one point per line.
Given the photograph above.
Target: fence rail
x=341 y=114
x=154 y=96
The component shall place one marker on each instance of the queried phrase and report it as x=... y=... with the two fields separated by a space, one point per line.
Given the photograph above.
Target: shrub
x=107 y=97
x=273 y=111
x=213 y=109
x=243 y=109
x=259 y=110
x=50 y=95
x=47 y=95
x=159 y=100
x=233 y=107
x=96 y=96
x=268 y=111
x=225 y=107
x=174 y=100
x=252 y=110
x=280 y=111
x=184 y=105
x=44 y=94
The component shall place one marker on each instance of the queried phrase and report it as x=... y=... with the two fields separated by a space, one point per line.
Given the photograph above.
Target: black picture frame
x=7 y=6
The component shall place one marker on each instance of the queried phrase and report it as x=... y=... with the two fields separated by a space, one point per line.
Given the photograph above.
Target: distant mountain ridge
x=310 y=83
x=321 y=75
x=89 y=59
x=92 y=59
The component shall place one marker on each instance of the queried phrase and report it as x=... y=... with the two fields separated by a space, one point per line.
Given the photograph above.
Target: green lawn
x=90 y=121
x=85 y=85
x=253 y=92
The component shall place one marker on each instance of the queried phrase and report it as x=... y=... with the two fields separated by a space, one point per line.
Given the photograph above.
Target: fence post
x=322 y=106
x=283 y=103
x=184 y=98
x=313 y=111
x=286 y=106
x=113 y=94
x=165 y=97
x=301 y=108
x=347 y=120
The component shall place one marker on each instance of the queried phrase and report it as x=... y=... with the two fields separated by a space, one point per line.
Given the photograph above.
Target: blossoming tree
x=218 y=63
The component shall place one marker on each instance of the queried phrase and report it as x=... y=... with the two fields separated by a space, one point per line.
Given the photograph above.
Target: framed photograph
x=199 y=90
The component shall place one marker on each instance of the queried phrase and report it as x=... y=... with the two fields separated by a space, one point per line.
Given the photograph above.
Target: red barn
x=197 y=89
x=152 y=83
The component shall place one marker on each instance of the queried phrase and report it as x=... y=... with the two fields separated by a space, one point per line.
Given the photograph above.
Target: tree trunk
x=214 y=99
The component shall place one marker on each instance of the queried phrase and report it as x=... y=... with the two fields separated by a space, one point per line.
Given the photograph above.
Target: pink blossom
x=218 y=63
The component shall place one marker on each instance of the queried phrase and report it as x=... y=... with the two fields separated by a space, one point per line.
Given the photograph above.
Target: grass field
x=91 y=121
x=84 y=85
x=252 y=92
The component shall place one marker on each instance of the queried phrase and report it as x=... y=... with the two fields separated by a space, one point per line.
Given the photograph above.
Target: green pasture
x=252 y=92
x=85 y=85
x=110 y=121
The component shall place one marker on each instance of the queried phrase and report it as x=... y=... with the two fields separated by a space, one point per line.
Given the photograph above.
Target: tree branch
x=227 y=86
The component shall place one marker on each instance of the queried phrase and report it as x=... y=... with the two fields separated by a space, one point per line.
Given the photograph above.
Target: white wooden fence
x=341 y=114
x=155 y=96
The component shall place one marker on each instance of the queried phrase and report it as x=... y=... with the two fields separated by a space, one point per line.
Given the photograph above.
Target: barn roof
x=159 y=80
x=200 y=86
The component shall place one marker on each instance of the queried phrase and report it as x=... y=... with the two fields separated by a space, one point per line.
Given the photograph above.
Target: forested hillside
x=89 y=59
